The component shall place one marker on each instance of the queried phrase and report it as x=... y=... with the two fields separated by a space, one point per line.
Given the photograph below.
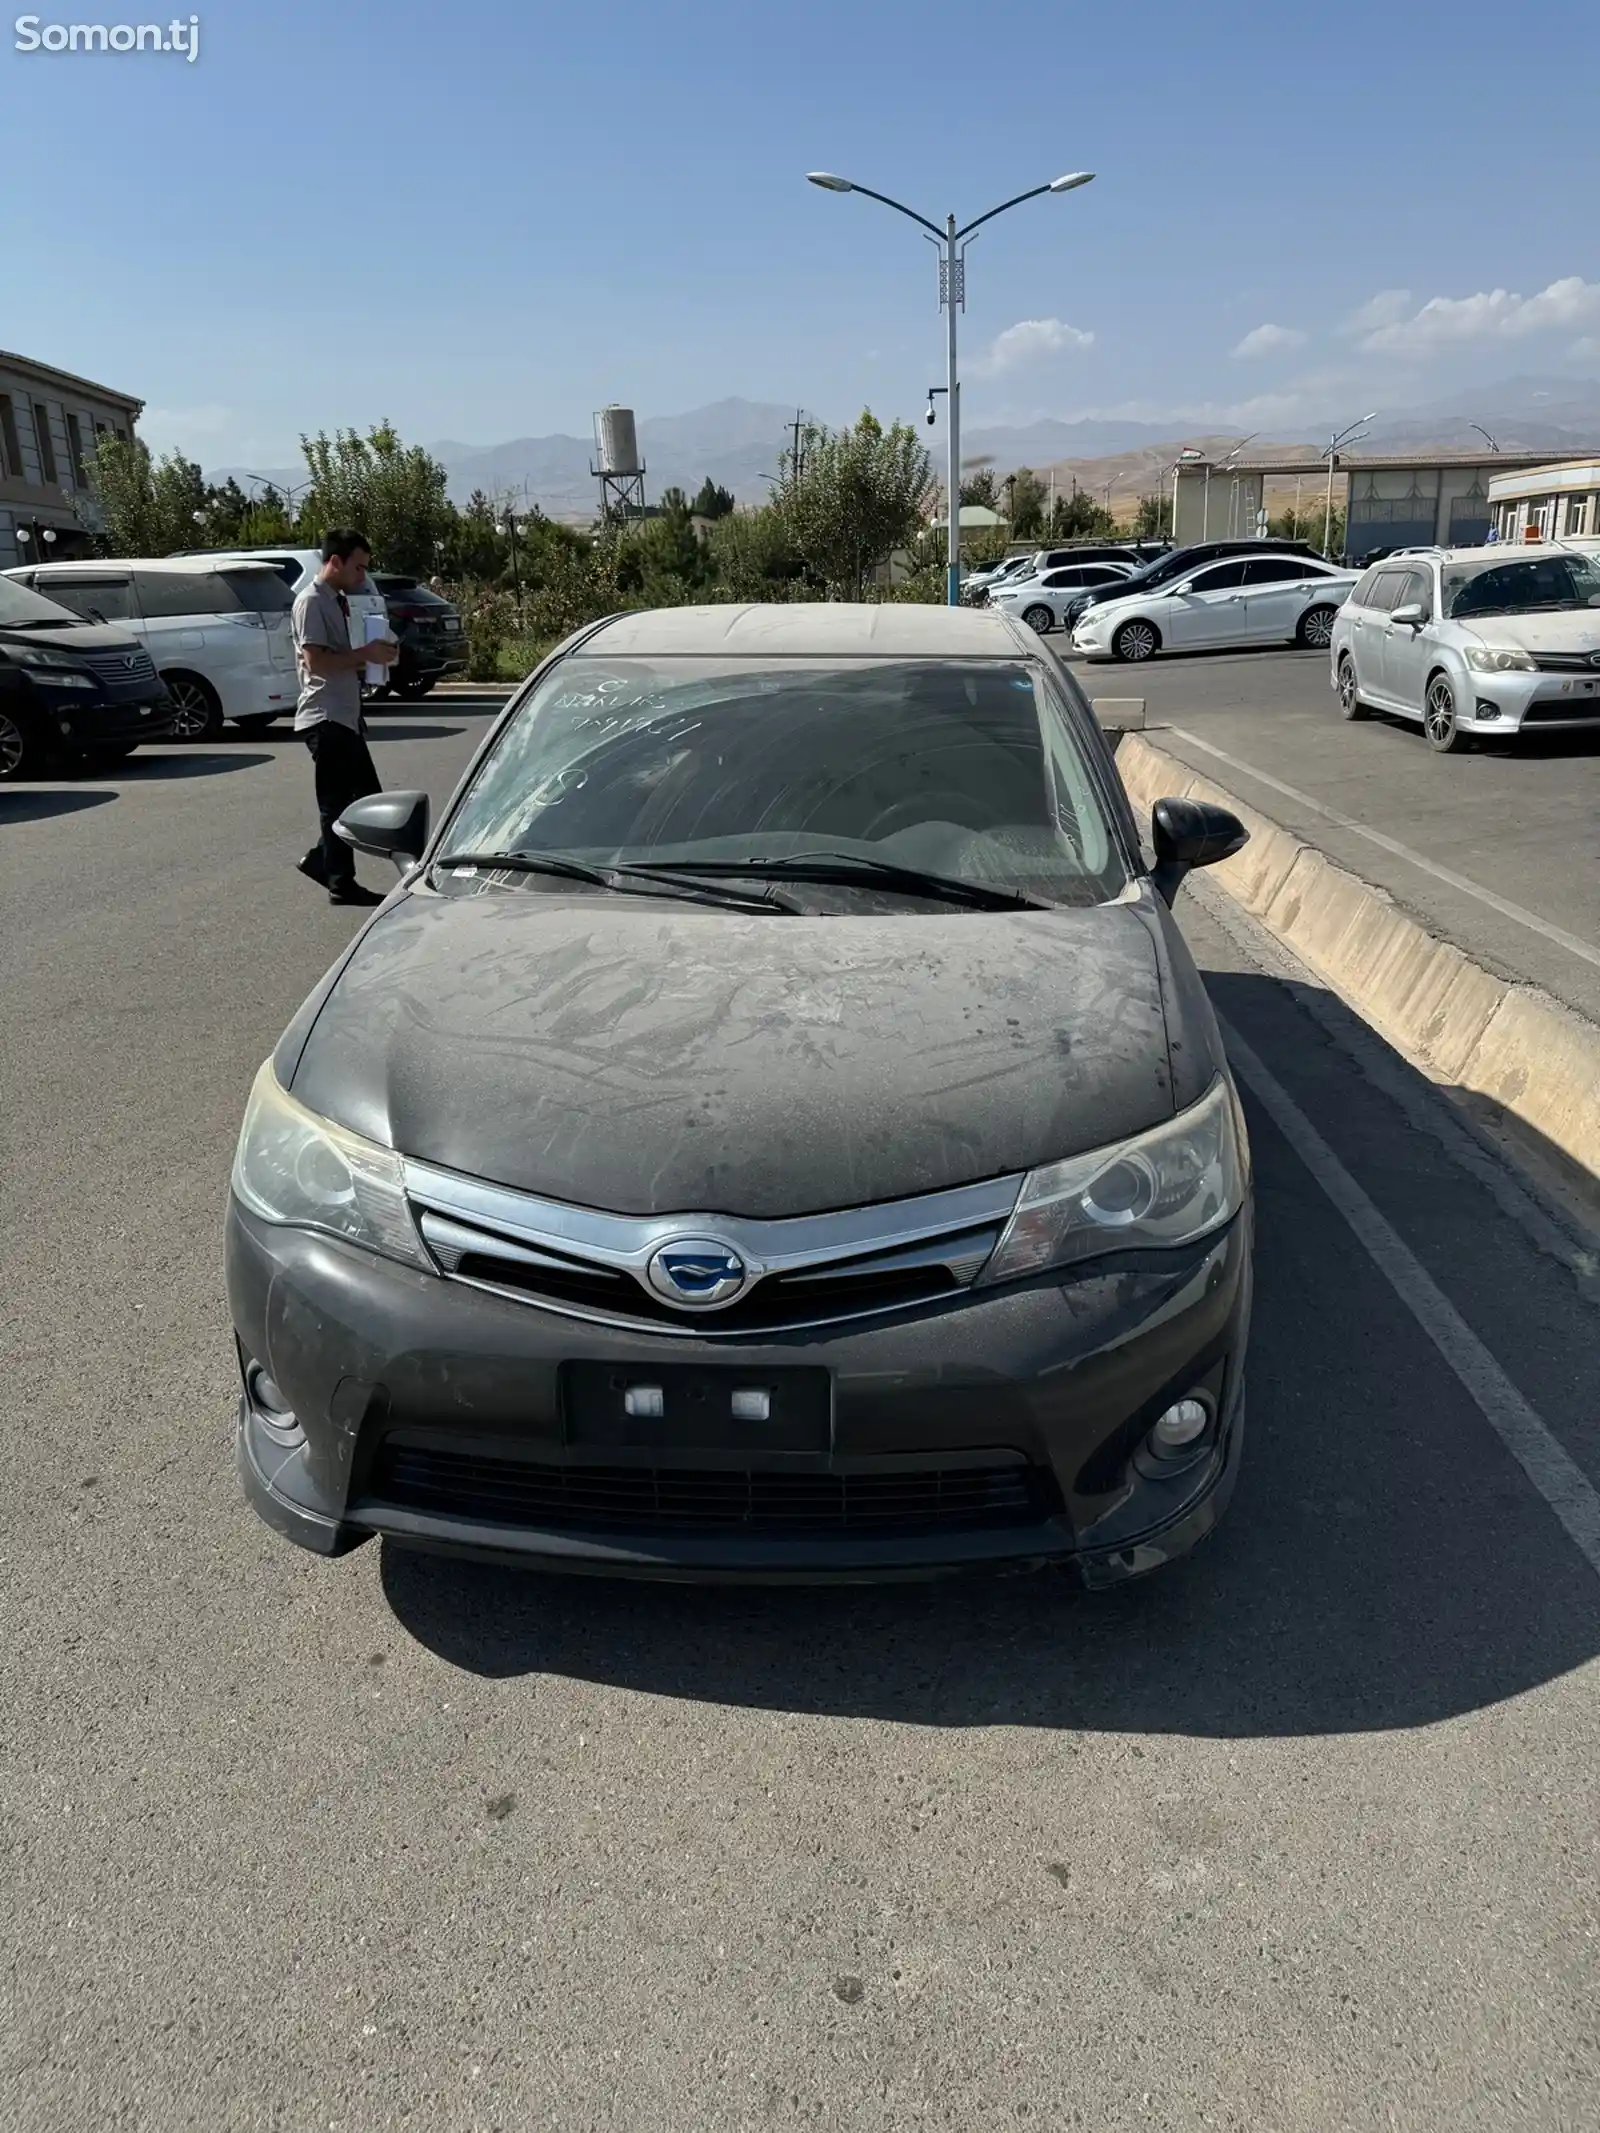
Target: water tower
x=618 y=467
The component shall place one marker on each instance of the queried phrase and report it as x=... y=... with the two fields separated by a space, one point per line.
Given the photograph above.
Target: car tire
x=1040 y=619
x=197 y=705
x=1315 y=633
x=22 y=750
x=1440 y=726
x=1135 y=641
x=413 y=691
x=251 y=728
x=1350 y=704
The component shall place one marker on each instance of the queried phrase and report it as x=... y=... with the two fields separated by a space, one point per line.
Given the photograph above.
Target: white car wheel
x=1039 y=618
x=1136 y=641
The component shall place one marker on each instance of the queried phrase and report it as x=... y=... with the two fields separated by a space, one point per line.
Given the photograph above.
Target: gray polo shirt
x=336 y=700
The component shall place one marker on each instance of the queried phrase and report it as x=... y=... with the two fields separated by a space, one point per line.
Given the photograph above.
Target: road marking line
x=1558 y=934
x=1552 y=1470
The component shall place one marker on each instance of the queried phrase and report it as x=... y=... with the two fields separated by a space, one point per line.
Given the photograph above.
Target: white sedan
x=1258 y=599
x=1040 y=601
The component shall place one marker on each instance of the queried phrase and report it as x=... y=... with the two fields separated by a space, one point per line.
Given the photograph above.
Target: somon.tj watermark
x=175 y=36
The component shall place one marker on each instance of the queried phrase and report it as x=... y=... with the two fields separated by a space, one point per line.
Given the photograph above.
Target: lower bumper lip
x=1061 y=1381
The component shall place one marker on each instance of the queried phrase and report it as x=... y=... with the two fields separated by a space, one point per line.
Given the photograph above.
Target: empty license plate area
x=680 y=1406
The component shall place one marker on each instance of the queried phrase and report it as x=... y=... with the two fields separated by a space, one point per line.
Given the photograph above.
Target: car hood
x=648 y=1058
x=82 y=637
x=1571 y=630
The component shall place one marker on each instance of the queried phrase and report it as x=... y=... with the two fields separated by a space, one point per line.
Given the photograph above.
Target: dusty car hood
x=650 y=1059
x=1569 y=630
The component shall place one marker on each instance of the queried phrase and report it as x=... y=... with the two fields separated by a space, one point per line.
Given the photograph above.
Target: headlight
x=1500 y=659
x=1162 y=1188
x=293 y=1167
x=64 y=667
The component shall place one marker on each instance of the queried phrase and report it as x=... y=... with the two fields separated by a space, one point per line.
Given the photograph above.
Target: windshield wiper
x=44 y=622
x=619 y=879
x=849 y=868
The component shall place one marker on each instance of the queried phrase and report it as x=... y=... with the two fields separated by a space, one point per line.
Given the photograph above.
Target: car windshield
x=1531 y=585
x=967 y=769
x=22 y=609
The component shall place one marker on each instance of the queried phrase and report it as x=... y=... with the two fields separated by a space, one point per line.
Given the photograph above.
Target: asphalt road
x=1517 y=823
x=1303 y=1834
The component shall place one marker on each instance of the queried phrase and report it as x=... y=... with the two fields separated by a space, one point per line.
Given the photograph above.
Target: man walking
x=328 y=713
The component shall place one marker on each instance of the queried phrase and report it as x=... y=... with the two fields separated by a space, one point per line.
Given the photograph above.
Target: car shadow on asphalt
x=184 y=763
x=412 y=733
x=18 y=806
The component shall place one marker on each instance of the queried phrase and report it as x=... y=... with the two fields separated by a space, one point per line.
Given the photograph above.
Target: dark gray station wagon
x=774 y=1130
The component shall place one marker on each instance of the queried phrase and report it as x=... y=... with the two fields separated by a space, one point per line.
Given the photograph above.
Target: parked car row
x=215 y=636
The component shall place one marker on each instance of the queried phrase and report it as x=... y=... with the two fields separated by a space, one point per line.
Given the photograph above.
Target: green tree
x=712 y=500
x=754 y=556
x=1081 y=516
x=394 y=492
x=1153 y=518
x=147 y=506
x=981 y=488
x=476 y=547
x=1026 y=498
x=663 y=559
x=856 y=495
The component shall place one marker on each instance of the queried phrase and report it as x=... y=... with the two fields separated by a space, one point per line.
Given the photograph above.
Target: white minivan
x=218 y=631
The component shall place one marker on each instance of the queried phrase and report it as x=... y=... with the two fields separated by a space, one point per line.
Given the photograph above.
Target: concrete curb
x=1518 y=1059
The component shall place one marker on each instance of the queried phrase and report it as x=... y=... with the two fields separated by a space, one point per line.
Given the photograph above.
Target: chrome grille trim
x=947 y=1234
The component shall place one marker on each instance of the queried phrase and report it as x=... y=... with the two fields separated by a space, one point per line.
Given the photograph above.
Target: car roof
x=191 y=565
x=813 y=629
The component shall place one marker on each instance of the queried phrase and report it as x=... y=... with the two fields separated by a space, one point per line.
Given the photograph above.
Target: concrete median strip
x=1517 y=1058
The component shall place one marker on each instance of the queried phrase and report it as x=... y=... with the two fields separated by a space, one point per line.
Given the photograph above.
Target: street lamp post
x=1338 y=438
x=951 y=241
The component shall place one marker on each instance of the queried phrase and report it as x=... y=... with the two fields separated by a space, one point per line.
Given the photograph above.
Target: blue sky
x=486 y=219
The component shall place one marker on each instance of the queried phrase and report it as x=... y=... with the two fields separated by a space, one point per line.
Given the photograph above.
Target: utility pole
x=794 y=458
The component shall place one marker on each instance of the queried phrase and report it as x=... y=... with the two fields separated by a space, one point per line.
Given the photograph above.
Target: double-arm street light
x=951 y=241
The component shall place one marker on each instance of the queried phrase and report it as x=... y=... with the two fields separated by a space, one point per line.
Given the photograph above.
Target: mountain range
x=737 y=443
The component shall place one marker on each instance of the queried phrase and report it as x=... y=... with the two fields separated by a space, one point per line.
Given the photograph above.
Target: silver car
x=1042 y=601
x=1271 y=598
x=1473 y=641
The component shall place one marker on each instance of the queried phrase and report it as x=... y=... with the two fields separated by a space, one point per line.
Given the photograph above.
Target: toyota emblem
x=697 y=1273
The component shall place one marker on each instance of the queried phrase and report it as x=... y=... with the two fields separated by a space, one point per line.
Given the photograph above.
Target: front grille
x=1562 y=711
x=1564 y=662
x=120 y=670
x=779 y=1301
x=514 y=1492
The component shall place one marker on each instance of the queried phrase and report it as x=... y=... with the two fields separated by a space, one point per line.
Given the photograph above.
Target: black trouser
x=344 y=772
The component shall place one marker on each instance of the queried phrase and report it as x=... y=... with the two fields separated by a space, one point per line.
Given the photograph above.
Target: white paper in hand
x=377 y=626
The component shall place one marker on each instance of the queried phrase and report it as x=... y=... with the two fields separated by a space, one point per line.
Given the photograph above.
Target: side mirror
x=1413 y=612
x=1182 y=592
x=393 y=825
x=1191 y=833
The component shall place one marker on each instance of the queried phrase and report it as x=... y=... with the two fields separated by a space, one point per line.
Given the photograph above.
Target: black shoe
x=354 y=894
x=313 y=869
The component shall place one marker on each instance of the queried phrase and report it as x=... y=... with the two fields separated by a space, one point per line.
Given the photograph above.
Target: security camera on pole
x=952 y=244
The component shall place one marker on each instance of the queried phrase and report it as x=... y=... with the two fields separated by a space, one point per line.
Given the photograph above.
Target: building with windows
x=1387 y=500
x=49 y=421
x=1552 y=503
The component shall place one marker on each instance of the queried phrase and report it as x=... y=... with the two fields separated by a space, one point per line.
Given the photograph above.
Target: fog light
x=752 y=1404
x=65 y=724
x=1484 y=709
x=1178 y=1428
x=266 y=1395
x=646 y=1400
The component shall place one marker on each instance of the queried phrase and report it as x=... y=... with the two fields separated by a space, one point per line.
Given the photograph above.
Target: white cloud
x=1491 y=314
x=1029 y=340
x=1269 y=339
x=1384 y=309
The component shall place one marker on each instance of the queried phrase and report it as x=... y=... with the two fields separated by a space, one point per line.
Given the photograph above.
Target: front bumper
x=1535 y=703
x=74 y=719
x=1052 y=1384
